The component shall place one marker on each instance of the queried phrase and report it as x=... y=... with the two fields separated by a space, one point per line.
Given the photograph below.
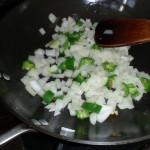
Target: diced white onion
x=42 y=31
x=104 y=113
x=52 y=17
x=51 y=53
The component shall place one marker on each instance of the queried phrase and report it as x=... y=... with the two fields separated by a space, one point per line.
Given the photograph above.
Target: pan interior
x=20 y=37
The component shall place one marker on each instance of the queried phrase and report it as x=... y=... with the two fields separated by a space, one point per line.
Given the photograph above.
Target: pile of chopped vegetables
x=90 y=81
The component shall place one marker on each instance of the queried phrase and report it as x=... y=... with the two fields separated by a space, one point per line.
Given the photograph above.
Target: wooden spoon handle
x=124 y=32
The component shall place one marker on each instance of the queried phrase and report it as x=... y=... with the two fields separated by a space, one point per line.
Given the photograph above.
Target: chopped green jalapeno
x=125 y=89
x=130 y=89
x=82 y=114
x=67 y=64
x=27 y=65
x=81 y=33
x=62 y=54
x=60 y=97
x=109 y=67
x=73 y=37
x=96 y=47
x=63 y=66
x=79 y=78
x=135 y=93
x=146 y=83
x=131 y=85
x=70 y=63
x=66 y=45
x=48 y=97
x=86 y=61
x=79 y=23
x=92 y=107
x=110 y=81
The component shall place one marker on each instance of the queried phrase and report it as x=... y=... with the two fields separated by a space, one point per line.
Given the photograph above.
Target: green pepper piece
x=86 y=61
x=125 y=89
x=109 y=67
x=79 y=78
x=135 y=93
x=70 y=63
x=146 y=83
x=131 y=85
x=63 y=66
x=96 y=47
x=67 y=64
x=73 y=37
x=48 y=97
x=132 y=90
x=66 y=45
x=79 y=23
x=110 y=81
x=62 y=54
x=81 y=33
x=82 y=114
x=27 y=65
x=60 y=97
x=92 y=107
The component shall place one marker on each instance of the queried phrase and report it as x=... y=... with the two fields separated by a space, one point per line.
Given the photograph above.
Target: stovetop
x=41 y=141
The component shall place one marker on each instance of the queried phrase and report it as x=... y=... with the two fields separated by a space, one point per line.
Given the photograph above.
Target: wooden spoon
x=122 y=32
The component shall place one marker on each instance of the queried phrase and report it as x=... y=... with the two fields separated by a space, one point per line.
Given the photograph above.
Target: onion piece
x=104 y=113
x=42 y=31
x=52 y=17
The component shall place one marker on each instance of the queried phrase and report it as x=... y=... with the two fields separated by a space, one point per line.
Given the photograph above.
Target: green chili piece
x=110 y=81
x=96 y=47
x=27 y=65
x=130 y=89
x=81 y=33
x=73 y=37
x=125 y=89
x=133 y=91
x=48 y=97
x=109 y=67
x=66 y=45
x=70 y=63
x=61 y=97
x=131 y=85
x=67 y=64
x=92 y=107
x=146 y=83
x=79 y=78
x=86 y=61
x=82 y=114
x=63 y=66
x=79 y=23
x=61 y=54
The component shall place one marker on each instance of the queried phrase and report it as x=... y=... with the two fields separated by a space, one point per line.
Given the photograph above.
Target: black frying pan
x=19 y=37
